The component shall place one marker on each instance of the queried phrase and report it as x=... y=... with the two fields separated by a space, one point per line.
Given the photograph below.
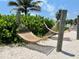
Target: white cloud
x=33 y=14
x=74 y=14
x=50 y=8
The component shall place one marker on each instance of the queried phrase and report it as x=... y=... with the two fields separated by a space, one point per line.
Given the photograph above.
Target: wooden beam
x=63 y=14
x=78 y=27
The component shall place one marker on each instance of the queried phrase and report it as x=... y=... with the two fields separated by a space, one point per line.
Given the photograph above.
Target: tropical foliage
x=8 y=27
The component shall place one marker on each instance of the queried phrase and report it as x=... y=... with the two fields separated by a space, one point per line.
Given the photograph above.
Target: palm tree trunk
x=25 y=11
x=18 y=17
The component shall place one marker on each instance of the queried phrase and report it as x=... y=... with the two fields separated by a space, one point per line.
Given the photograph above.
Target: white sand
x=70 y=50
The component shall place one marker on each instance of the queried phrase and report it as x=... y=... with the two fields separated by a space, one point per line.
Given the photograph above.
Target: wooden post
x=78 y=27
x=18 y=17
x=63 y=14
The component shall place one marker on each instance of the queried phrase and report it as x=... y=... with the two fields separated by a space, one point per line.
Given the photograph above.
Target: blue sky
x=49 y=7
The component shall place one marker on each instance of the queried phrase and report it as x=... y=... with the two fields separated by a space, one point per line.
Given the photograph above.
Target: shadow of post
x=65 y=39
x=67 y=53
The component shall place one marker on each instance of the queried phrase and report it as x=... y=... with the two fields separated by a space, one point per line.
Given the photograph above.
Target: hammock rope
x=52 y=28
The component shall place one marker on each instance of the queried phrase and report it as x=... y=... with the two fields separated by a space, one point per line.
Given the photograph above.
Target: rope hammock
x=30 y=37
x=52 y=28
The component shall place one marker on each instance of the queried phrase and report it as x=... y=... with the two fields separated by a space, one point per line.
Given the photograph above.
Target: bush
x=8 y=30
x=36 y=24
x=8 y=27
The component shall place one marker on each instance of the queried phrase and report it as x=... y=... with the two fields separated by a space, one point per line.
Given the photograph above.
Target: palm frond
x=37 y=8
x=18 y=8
x=36 y=3
x=25 y=2
x=12 y=3
x=20 y=2
x=21 y=8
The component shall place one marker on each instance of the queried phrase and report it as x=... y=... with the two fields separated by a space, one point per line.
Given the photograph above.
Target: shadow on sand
x=67 y=53
x=65 y=39
x=40 y=48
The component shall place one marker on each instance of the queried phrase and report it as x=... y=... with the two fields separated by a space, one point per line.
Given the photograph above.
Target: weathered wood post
x=78 y=27
x=63 y=14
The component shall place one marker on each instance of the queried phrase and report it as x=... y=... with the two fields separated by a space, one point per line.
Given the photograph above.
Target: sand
x=44 y=49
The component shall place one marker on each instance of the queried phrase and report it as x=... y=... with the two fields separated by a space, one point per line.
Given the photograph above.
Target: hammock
x=30 y=37
x=51 y=30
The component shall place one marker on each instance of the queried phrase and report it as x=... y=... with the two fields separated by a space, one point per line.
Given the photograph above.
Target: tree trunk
x=63 y=14
x=25 y=11
x=78 y=27
x=18 y=17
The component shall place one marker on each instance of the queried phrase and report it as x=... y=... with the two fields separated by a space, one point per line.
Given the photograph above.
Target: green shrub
x=8 y=30
x=35 y=24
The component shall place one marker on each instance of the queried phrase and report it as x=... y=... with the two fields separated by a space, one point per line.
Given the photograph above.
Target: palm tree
x=26 y=5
